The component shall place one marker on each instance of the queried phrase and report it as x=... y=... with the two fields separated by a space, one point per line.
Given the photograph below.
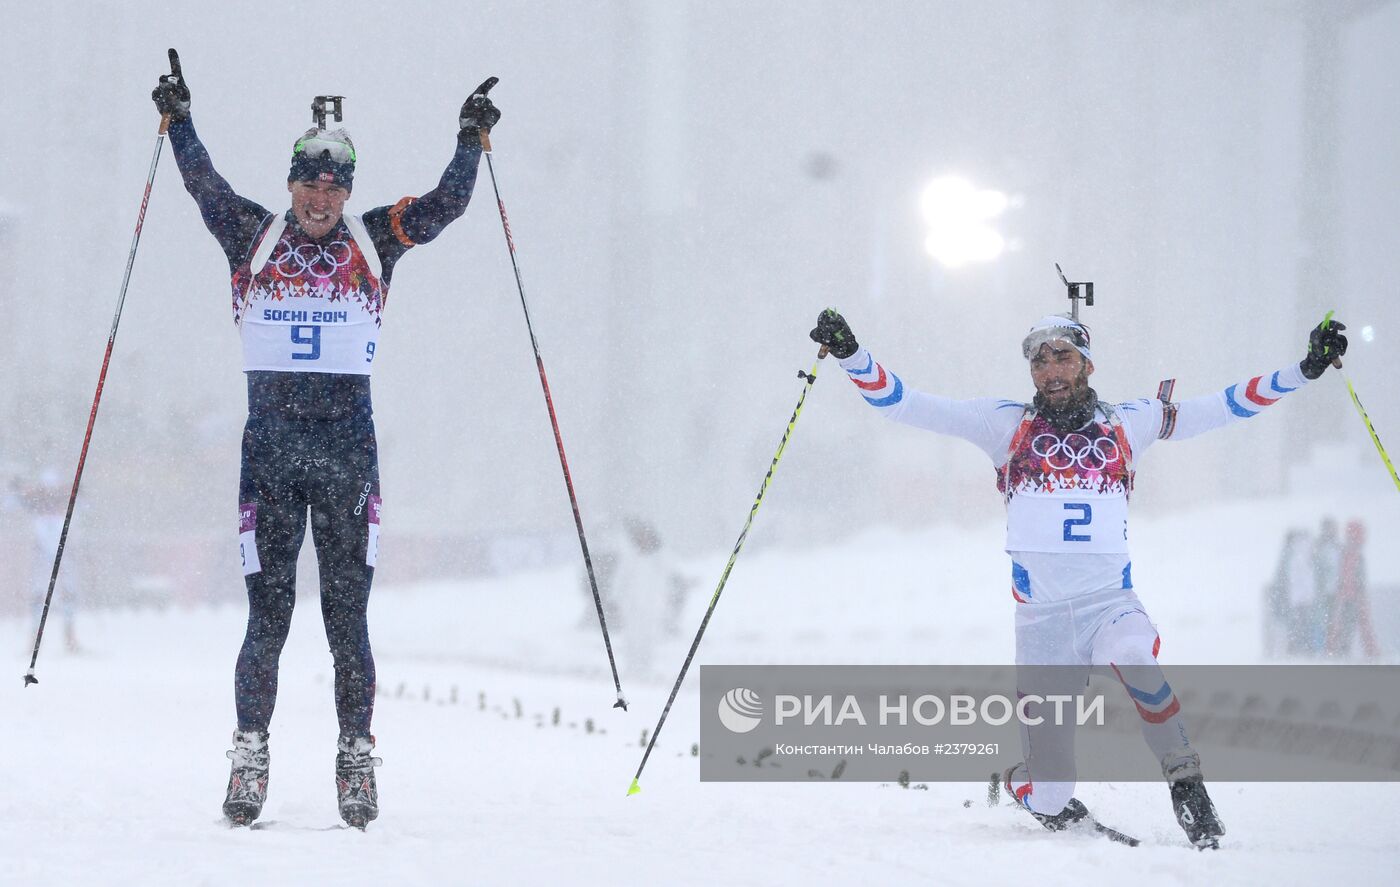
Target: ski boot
x=247 y=779
x=354 y=780
x=1194 y=810
x=1074 y=816
x=1074 y=811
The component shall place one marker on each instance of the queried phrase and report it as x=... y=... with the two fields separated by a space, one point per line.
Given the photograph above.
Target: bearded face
x=1060 y=374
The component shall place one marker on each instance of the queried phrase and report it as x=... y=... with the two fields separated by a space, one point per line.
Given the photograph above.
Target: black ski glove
x=833 y=332
x=171 y=95
x=477 y=113
x=1325 y=343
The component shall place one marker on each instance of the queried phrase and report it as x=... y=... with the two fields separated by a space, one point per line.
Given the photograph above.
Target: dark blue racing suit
x=309 y=443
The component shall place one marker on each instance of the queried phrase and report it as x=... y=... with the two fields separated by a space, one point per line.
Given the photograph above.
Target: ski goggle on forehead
x=320 y=146
x=1076 y=336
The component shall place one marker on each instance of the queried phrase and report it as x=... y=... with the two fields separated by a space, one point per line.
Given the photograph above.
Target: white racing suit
x=1066 y=497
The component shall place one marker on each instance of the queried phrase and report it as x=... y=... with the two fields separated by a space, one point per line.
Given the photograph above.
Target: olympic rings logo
x=1076 y=450
x=312 y=258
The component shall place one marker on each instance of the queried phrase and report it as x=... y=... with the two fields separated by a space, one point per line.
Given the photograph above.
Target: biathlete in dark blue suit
x=309 y=288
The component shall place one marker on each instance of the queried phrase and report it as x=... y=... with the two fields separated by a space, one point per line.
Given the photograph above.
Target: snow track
x=114 y=770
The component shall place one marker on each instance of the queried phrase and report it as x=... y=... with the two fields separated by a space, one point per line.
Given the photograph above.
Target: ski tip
x=633 y=789
x=621 y=702
x=30 y=679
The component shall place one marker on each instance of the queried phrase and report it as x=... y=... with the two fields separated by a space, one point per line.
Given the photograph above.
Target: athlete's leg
x=1127 y=643
x=272 y=524
x=344 y=527
x=1046 y=664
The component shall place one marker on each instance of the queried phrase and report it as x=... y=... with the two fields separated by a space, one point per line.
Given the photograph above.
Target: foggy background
x=689 y=184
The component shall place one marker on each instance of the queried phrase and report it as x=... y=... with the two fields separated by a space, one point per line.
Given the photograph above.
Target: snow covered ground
x=113 y=767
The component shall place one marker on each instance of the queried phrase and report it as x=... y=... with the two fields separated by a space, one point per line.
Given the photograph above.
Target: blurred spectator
x=46 y=500
x=643 y=592
x=1326 y=565
x=1292 y=585
x=1351 y=608
x=12 y=598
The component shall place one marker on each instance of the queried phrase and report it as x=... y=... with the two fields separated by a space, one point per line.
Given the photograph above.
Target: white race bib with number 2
x=1066 y=523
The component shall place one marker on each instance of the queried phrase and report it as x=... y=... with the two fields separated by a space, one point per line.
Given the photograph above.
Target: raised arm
x=233 y=220
x=1153 y=420
x=412 y=221
x=1243 y=400
x=985 y=422
x=397 y=229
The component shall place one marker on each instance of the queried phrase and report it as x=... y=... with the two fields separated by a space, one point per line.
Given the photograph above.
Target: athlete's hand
x=833 y=332
x=171 y=95
x=1325 y=344
x=478 y=113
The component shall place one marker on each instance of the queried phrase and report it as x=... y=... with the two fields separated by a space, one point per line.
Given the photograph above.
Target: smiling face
x=317 y=206
x=1060 y=373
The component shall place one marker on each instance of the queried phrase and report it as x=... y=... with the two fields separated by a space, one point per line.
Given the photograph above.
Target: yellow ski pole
x=808 y=378
x=1356 y=401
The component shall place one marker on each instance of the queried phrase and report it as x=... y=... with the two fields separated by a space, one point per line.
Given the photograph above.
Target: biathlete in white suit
x=1064 y=465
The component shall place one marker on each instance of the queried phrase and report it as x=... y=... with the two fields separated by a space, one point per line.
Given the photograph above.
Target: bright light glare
x=956 y=247
x=1368 y=333
x=958 y=216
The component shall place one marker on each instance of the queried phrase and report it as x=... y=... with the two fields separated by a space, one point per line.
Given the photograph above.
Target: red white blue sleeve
x=1188 y=418
x=986 y=422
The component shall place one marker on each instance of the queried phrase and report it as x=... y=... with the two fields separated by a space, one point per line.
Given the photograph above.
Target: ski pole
x=549 y=404
x=724 y=576
x=101 y=380
x=1356 y=401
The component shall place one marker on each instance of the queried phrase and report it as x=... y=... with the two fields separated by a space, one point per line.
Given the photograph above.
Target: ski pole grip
x=482 y=90
x=822 y=352
x=1326 y=322
x=177 y=75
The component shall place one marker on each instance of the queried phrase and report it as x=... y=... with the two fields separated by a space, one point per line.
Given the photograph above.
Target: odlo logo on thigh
x=364 y=497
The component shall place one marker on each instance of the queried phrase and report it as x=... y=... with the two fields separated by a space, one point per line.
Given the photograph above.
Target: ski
x=1113 y=834
x=1081 y=822
x=279 y=825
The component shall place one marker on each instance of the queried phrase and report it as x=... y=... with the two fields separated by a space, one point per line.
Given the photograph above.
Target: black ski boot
x=1073 y=814
x=1194 y=810
x=1074 y=811
x=354 y=780
x=247 y=779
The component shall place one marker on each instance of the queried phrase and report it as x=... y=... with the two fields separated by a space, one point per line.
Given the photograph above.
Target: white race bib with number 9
x=308 y=335
x=1067 y=523
x=310 y=306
